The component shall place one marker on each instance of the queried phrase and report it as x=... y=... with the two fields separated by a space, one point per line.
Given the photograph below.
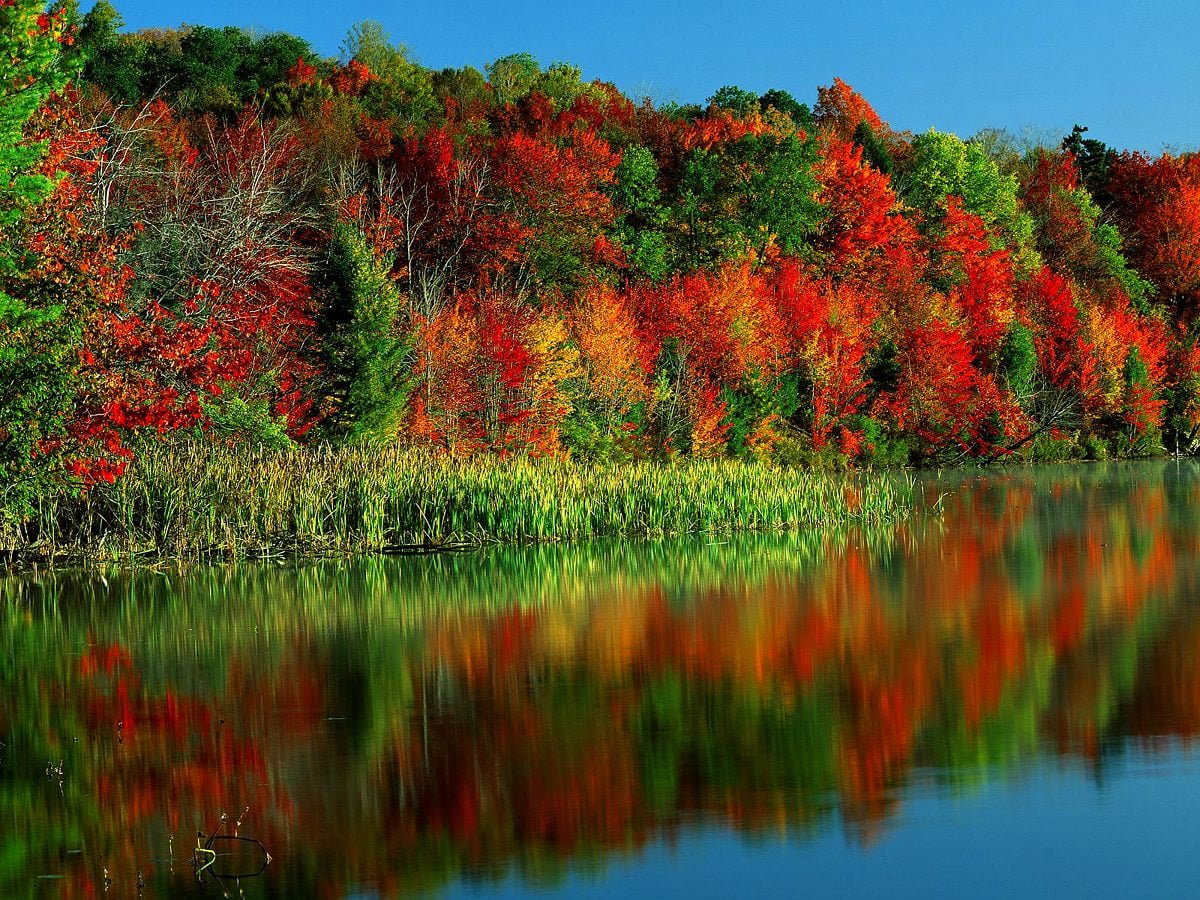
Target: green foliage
x=943 y=165
x=466 y=87
x=882 y=447
x=795 y=450
x=37 y=357
x=1093 y=250
x=403 y=89
x=744 y=197
x=734 y=99
x=1051 y=448
x=748 y=406
x=883 y=368
x=1093 y=447
x=562 y=83
x=785 y=103
x=702 y=228
x=232 y=418
x=1141 y=439
x=512 y=77
x=875 y=151
x=781 y=205
x=515 y=77
x=272 y=55
x=588 y=436
x=1094 y=158
x=31 y=69
x=113 y=62
x=205 y=69
x=1112 y=259
x=208 y=65
x=369 y=354
x=683 y=112
x=1018 y=359
x=221 y=69
x=638 y=200
x=1136 y=374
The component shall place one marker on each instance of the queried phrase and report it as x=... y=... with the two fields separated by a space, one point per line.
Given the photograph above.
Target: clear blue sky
x=1129 y=69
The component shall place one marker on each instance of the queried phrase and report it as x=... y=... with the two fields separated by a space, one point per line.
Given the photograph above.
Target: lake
x=1001 y=700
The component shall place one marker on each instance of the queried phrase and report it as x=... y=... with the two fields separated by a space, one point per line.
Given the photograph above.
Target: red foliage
x=556 y=190
x=828 y=328
x=502 y=237
x=1157 y=203
x=720 y=127
x=301 y=73
x=982 y=276
x=1062 y=352
x=945 y=400
x=145 y=364
x=725 y=324
x=352 y=78
x=863 y=235
x=491 y=371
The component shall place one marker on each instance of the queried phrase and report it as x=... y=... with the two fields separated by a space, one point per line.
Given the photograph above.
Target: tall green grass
x=199 y=500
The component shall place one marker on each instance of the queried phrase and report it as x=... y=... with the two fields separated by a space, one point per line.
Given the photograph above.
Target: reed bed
x=199 y=500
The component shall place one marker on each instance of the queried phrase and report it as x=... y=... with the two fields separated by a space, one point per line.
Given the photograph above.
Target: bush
x=1093 y=447
x=880 y=447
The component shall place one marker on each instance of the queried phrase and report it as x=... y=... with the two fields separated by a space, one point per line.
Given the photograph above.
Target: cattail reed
x=194 y=501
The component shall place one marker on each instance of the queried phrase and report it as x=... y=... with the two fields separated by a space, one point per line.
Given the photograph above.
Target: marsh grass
x=199 y=500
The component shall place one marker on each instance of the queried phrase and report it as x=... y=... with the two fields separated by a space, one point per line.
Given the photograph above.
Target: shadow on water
x=399 y=725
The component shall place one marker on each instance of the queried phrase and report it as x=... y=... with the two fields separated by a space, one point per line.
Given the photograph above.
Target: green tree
x=1094 y=158
x=369 y=354
x=781 y=190
x=562 y=83
x=512 y=77
x=466 y=87
x=740 y=198
x=736 y=100
x=638 y=199
x=208 y=65
x=114 y=62
x=404 y=88
x=785 y=103
x=875 y=151
x=1018 y=360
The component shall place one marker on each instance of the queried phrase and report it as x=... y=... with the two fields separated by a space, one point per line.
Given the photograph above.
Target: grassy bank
x=197 y=501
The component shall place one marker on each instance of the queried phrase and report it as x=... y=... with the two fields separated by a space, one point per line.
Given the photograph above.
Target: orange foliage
x=840 y=110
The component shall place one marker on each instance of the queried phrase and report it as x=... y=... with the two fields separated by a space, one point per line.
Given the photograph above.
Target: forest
x=213 y=236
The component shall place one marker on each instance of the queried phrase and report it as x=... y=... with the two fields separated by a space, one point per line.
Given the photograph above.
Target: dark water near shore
x=1003 y=701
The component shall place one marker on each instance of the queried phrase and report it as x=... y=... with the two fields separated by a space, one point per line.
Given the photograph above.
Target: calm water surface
x=1004 y=701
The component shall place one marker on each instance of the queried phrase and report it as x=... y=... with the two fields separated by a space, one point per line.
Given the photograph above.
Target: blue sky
x=1126 y=68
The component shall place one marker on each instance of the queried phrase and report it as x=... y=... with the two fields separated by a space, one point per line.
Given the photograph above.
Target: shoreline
x=223 y=505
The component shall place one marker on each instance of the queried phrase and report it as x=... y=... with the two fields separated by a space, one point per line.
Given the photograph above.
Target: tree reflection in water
x=403 y=723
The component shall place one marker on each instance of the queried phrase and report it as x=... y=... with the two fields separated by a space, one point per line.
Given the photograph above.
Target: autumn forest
x=213 y=236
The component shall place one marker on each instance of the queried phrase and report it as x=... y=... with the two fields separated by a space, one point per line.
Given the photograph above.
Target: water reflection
x=398 y=725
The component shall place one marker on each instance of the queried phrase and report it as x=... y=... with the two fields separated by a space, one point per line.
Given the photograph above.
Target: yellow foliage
x=613 y=362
